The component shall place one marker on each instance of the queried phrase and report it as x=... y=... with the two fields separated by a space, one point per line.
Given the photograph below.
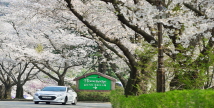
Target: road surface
x=30 y=104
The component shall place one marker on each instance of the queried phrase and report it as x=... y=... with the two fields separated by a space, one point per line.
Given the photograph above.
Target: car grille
x=47 y=97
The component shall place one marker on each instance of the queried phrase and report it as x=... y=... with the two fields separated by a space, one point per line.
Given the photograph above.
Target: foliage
x=171 y=99
x=146 y=57
x=39 y=48
x=177 y=7
x=93 y=96
x=194 y=74
x=147 y=63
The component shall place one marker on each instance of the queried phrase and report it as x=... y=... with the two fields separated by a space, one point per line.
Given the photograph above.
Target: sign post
x=95 y=81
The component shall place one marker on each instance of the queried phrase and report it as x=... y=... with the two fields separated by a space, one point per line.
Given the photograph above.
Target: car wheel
x=36 y=102
x=75 y=101
x=65 y=101
x=47 y=102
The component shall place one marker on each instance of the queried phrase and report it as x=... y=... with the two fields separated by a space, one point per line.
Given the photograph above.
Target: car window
x=54 y=89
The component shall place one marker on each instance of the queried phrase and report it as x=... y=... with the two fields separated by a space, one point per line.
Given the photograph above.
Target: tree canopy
x=126 y=33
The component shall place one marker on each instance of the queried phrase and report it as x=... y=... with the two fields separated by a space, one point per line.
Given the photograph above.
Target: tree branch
x=42 y=70
x=121 y=18
x=102 y=35
x=198 y=12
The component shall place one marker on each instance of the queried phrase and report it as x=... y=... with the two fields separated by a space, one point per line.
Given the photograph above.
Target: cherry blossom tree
x=15 y=68
x=6 y=86
x=17 y=74
x=125 y=26
x=51 y=48
x=68 y=56
x=188 y=24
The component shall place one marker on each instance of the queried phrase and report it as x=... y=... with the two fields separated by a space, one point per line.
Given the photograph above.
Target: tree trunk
x=102 y=67
x=7 y=92
x=19 y=91
x=2 y=89
x=61 y=81
x=136 y=84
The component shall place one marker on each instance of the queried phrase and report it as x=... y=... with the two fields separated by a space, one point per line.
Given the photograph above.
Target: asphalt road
x=30 y=104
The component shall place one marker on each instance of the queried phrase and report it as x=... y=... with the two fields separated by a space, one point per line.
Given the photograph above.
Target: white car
x=55 y=94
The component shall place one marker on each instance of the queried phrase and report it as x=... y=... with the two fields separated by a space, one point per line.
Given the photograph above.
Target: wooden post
x=160 y=70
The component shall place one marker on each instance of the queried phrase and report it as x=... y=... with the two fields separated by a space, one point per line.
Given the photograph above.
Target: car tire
x=65 y=101
x=47 y=102
x=36 y=102
x=75 y=102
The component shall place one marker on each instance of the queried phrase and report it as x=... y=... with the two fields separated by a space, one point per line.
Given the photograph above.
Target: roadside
x=16 y=100
x=32 y=100
x=30 y=104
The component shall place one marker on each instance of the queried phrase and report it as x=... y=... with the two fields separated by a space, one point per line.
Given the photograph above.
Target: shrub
x=93 y=96
x=171 y=99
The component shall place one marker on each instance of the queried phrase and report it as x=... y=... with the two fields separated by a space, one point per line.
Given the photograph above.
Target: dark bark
x=19 y=91
x=6 y=86
x=102 y=67
x=136 y=1
x=7 y=92
x=135 y=28
x=20 y=80
x=61 y=81
x=136 y=84
x=2 y=89
x=198 y=12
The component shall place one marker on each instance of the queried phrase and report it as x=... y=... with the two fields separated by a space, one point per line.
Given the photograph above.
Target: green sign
x=94 y=82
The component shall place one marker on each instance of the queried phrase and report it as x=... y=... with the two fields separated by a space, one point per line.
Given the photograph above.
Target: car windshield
x=54 y=89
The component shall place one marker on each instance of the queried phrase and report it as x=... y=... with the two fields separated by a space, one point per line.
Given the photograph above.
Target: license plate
x=46 y=97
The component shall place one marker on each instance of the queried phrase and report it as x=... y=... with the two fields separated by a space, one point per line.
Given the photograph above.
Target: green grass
x=171 y=99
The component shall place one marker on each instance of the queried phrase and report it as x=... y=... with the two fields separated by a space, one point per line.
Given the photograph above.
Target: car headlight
x=60 y=94
x=36 y=94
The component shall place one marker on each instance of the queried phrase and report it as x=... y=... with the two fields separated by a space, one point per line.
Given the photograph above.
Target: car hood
x=49 y=92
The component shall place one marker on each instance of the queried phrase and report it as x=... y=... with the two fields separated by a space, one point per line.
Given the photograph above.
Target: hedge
x=171 y=99
x=93 y=96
